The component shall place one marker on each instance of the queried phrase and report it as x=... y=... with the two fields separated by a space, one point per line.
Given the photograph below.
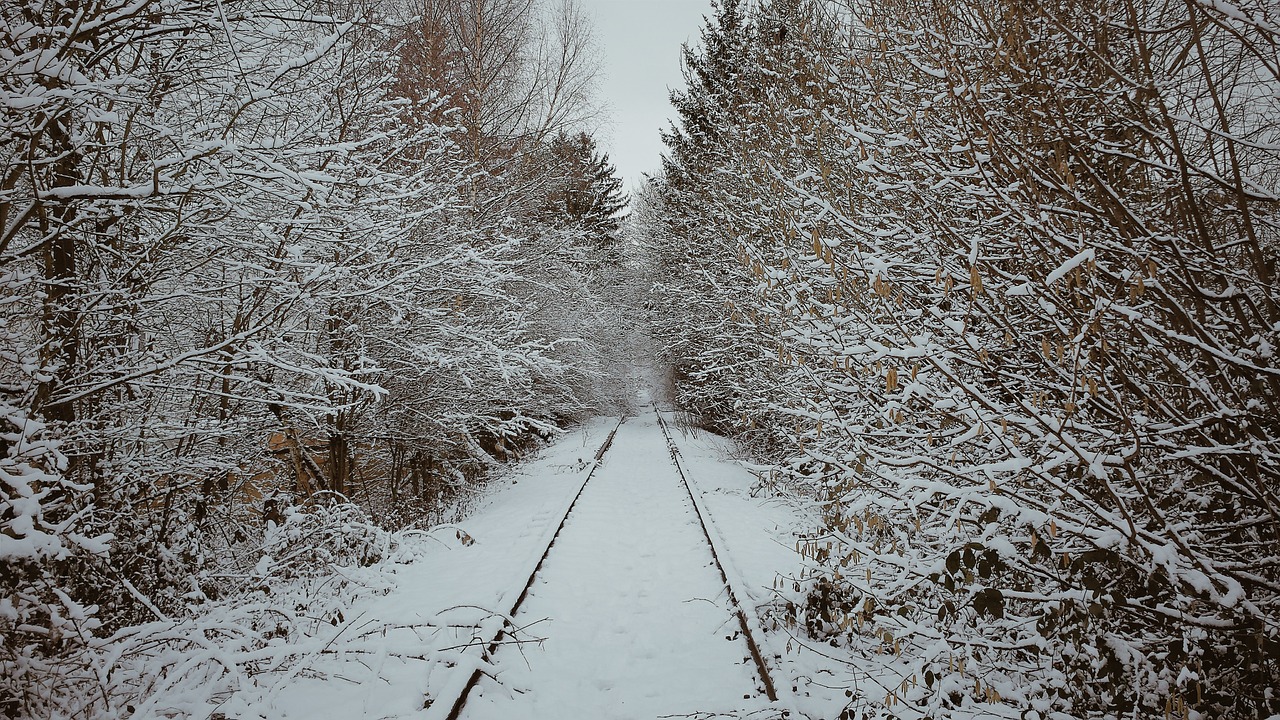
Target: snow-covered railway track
x=492 y=646
x=703 y=517
x=637 y=616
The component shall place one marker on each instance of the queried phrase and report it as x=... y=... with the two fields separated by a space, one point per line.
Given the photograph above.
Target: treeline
x=996 y=283
x=260 y=254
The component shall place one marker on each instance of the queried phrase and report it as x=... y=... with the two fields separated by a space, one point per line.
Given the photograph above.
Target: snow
x=1236 y=13
x=627 y=618
x=1072 y=263
x=425 y=628
x=758 y=532
x=636 y=619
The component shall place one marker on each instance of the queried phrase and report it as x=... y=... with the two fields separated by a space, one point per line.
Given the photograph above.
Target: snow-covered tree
x=241 y=267
x=1011 y=321
x=586 y=193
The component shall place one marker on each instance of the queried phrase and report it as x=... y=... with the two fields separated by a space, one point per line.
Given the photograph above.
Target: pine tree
x=587 y=193
x=712 y=74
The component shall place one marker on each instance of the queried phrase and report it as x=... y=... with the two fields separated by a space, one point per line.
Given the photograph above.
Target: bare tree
x=517 y=71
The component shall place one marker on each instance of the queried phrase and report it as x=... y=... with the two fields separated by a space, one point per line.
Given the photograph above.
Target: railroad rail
x=703 y=517
x=703 y=521
x=492 y=647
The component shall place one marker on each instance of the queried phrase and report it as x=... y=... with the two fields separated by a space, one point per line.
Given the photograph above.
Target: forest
x=273 y=259
x=996 y=282
x=992 y=284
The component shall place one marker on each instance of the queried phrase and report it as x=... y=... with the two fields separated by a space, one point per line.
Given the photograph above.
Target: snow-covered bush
x=41 y=540
x=247 y=252
x=1012 y=269
x=310 y=541
x=282 y=617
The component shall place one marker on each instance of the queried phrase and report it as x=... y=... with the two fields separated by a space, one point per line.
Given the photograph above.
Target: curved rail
x=761 y=668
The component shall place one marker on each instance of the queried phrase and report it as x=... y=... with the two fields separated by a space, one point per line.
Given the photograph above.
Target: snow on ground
x=637 y=621
x=628 y=617
x=759 y=533
x=425 y=640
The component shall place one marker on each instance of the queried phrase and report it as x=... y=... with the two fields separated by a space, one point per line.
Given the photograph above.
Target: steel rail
x=493 y=644
x=703 y=516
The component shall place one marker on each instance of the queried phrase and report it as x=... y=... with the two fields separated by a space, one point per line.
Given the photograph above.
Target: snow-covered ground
x=636 y=618
x=627 y=618
x=757 y=532
x=446 y=586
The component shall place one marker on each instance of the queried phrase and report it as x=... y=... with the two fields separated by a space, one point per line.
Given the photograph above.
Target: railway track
x=706 y=526
x=492 y=647
x=703 y=518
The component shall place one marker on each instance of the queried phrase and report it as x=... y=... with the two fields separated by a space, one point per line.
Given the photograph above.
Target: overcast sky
x=640 y=45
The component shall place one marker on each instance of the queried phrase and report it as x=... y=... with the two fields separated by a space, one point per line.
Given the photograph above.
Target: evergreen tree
x=712 y=73
x=587 y=193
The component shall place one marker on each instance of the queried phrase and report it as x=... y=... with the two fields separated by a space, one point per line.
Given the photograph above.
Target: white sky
x=639 y=43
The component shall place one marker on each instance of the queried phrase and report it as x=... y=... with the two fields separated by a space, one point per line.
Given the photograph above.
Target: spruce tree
x=712 y=73
x=587 y=192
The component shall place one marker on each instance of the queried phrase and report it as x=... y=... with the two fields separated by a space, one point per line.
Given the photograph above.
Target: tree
x=586 y=193
x=990 y=276
x=240 y=268
x=714 y=87
x=515 y=73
